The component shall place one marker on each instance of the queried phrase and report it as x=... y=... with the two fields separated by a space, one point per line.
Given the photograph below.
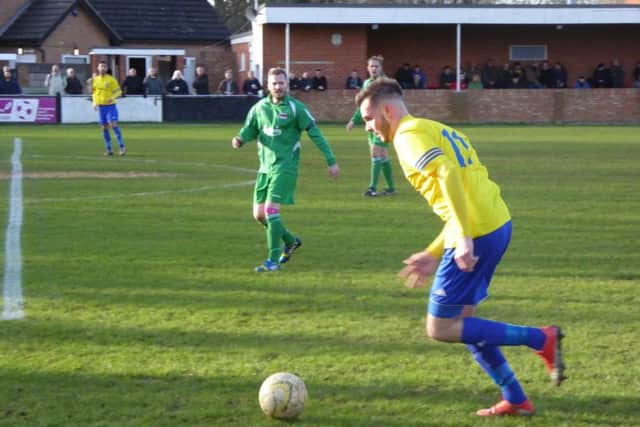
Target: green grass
x=142 y=308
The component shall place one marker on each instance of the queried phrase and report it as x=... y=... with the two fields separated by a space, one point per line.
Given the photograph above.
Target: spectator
x=404 y=76
x=354 y=81
x=153 y=85
x=490 y=75
x=9 y=85
x=419 y=78
x=636 y=76
x=306 y=82
x=73 y=86
x=532 y=74
x=252 y=85
x=546 y=79
x=559 y=74
x=447 y=78
x=177 y=85
x=582 y=83
x=617 y=74
x=601 y=76
x=476 y=82
x=228 y=86
x=517 y=82
x=55 y=81
x=319 y=82
x=201 y=82
x=133 y=83
x=505 y=78
x=294 y=82
x=463 y=81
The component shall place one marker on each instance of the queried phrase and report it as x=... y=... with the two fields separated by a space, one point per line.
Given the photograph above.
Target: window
x=243 y=62
x=75 y=59
x=527 y=53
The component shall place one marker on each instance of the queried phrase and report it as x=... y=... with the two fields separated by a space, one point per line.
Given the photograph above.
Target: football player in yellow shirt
x=105 y=90
x=442 y=165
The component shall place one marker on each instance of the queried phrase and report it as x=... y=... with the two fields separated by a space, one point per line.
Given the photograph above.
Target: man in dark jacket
x=319 y=82
x=404 y=76
x=133 y=84
x=73 y=86
x=201 y=83
x=153 y=84
x=9 y=85
x=228 y=86
x=251 y=86
x=601 y=76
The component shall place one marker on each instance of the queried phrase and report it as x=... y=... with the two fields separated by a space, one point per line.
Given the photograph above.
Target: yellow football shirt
x=105 y=89
x=441 y=164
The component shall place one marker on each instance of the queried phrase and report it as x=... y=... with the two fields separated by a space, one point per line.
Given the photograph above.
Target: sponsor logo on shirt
x=272 y=131
x=283 y=116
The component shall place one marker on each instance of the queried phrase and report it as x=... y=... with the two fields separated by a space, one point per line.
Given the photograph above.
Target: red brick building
x=339 y=38
x=127 y=34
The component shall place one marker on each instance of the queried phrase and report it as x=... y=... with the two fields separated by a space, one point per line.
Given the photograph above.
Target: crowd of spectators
x=515 y=75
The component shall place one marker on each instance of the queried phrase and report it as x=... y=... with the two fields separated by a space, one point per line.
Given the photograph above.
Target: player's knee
x=438 y=331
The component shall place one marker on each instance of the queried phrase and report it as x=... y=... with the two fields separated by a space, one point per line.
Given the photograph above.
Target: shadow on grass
x=82 y=399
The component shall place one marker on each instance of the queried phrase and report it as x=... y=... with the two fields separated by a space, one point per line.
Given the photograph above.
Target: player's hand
x=349 y=126
x=419 y=267
x=464 y=256
x=334 y=171
x=236 y=142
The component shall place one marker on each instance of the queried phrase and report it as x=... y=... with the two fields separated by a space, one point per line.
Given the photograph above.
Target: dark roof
x=162 y=20
x=37 y=21
x=125 y=20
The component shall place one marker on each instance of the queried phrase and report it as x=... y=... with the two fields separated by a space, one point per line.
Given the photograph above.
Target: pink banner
x=28 y=110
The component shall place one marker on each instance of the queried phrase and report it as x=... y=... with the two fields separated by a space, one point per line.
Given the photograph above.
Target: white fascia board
x=242 y=39
x=136 y=51
x=445 y=15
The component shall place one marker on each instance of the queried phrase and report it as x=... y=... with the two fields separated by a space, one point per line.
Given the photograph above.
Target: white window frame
x=243 y=62
x=85 y=57
x=546 y=52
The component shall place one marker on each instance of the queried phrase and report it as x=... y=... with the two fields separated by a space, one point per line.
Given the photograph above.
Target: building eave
x=479 y=15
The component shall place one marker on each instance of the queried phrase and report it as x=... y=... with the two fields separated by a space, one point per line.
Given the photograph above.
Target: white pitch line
x=151 y=161
x=13 y=304
x=141 y=194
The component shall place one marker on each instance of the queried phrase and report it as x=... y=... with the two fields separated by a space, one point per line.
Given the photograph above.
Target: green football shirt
x=278 y=127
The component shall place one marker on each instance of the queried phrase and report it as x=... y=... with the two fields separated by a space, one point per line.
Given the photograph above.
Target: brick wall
x=578 y=47
x=311 y=48
x=81 y=31
x=544 y=106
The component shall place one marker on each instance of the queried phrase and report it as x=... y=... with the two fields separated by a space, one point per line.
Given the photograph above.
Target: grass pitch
x=142 y=308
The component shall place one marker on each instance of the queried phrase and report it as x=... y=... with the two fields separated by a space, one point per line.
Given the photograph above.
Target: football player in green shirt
x=380 y=161
x=277 y=121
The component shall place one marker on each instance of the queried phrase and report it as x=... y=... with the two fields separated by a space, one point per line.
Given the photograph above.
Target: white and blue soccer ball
x=283 y=396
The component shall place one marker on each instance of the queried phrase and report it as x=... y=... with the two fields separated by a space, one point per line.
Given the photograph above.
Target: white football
x=282 y=395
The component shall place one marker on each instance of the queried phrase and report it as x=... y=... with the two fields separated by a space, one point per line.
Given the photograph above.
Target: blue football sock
x=488 y=332
x=492 y=361
x=107 y=139
x=116 y=130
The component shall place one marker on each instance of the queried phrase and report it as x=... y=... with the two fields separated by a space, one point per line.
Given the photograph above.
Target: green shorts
x=374 y=140
x=277 y=188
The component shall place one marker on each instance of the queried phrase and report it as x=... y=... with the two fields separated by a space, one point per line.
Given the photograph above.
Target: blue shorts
x=452 y=288
x=108 y=114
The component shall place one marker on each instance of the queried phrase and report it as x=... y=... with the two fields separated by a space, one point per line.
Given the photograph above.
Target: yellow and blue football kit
x=105 y=90
x=442 y=165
